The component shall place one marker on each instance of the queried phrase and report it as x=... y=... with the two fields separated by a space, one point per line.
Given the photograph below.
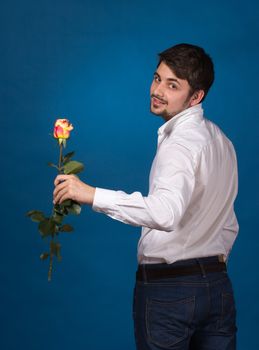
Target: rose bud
x=62 y=129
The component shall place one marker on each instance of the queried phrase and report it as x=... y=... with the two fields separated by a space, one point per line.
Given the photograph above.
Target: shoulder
x=197 y=139
x=197 y=135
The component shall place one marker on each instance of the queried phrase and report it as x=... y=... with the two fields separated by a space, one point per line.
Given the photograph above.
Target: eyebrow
x=169 y=79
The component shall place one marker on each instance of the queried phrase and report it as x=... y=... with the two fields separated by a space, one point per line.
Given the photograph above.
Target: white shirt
x=193 y=183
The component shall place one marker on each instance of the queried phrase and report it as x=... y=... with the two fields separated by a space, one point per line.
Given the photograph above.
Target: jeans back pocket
x=168 y=321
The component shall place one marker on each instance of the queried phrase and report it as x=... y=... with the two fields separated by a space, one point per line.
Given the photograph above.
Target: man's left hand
x=71 y=187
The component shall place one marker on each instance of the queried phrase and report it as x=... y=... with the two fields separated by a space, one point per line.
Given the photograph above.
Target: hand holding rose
x=71 y=187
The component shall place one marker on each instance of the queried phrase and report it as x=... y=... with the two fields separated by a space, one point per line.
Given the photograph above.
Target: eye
x=173 y=86
x=156 y=78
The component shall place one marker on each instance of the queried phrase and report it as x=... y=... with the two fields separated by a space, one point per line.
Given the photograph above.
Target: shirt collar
x=195 y=111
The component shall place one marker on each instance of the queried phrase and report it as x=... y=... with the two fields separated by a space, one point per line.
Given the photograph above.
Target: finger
x=61 y=178
x=59 y=195
x=60 y=187
x=64 y=195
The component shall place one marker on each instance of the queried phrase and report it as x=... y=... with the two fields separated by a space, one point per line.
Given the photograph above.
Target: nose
x=158 y=90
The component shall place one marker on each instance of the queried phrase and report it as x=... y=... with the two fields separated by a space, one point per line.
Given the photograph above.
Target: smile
x=157 y=101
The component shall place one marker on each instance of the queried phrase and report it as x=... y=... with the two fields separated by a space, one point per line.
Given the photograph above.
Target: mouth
x=156 y=102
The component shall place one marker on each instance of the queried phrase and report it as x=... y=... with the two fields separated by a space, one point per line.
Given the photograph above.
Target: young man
x=183 y=297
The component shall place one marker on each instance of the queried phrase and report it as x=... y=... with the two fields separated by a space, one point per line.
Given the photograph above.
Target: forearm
x=156 y=212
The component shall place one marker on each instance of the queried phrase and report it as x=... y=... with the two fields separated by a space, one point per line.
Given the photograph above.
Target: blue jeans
x=195 y=312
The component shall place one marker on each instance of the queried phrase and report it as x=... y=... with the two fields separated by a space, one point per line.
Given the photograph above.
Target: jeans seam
x=223 y=296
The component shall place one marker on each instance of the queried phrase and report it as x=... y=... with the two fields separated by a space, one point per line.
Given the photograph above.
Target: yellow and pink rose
x=62 y=129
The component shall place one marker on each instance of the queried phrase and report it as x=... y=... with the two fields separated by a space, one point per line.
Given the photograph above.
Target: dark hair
x=191 y=63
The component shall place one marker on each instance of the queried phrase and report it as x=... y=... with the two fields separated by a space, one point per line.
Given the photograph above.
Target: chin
x=154 y=112
x=157 y=112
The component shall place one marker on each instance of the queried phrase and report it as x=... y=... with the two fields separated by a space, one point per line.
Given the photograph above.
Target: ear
x=196 y=97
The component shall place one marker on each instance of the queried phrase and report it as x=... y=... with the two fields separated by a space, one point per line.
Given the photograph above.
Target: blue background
x=92 y=62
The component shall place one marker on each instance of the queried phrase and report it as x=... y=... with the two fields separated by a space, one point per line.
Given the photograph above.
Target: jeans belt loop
x=221 y=258
x=145 y=277
x=202 y=268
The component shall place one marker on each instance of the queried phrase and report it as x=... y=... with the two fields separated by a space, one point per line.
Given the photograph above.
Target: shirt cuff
x=104 y=200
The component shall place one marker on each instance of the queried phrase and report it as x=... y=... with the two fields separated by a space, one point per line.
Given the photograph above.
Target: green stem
x=52 y=239
x=59 y=165
x=50 y=266
x=60 y=158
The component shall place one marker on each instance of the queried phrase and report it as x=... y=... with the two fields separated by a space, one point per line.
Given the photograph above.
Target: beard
x=165 y=113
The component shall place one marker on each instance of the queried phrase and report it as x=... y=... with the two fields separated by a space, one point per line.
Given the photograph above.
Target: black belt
x=147 y=274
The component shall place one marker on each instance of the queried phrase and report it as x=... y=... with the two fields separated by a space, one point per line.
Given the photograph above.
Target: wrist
x=89 y=195
x=93 y=189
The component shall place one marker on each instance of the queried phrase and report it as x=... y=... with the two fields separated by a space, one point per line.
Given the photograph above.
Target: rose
x=62 y=129
x=52 y=225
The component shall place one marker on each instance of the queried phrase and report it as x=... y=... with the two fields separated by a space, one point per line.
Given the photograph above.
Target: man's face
x=169 y=94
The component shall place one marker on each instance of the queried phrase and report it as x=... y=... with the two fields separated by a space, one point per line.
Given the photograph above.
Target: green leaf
x=73 y=167
x=68 y=207
x=57 y=218
x=74 y=209
x=66 y=228
x=68 y=156
x=59 y=210
x=31 y=212
x=62 y=208
x=44 y=256
x=47 y=227
x=53 y=165
x=36 y=215
x=66 y=203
